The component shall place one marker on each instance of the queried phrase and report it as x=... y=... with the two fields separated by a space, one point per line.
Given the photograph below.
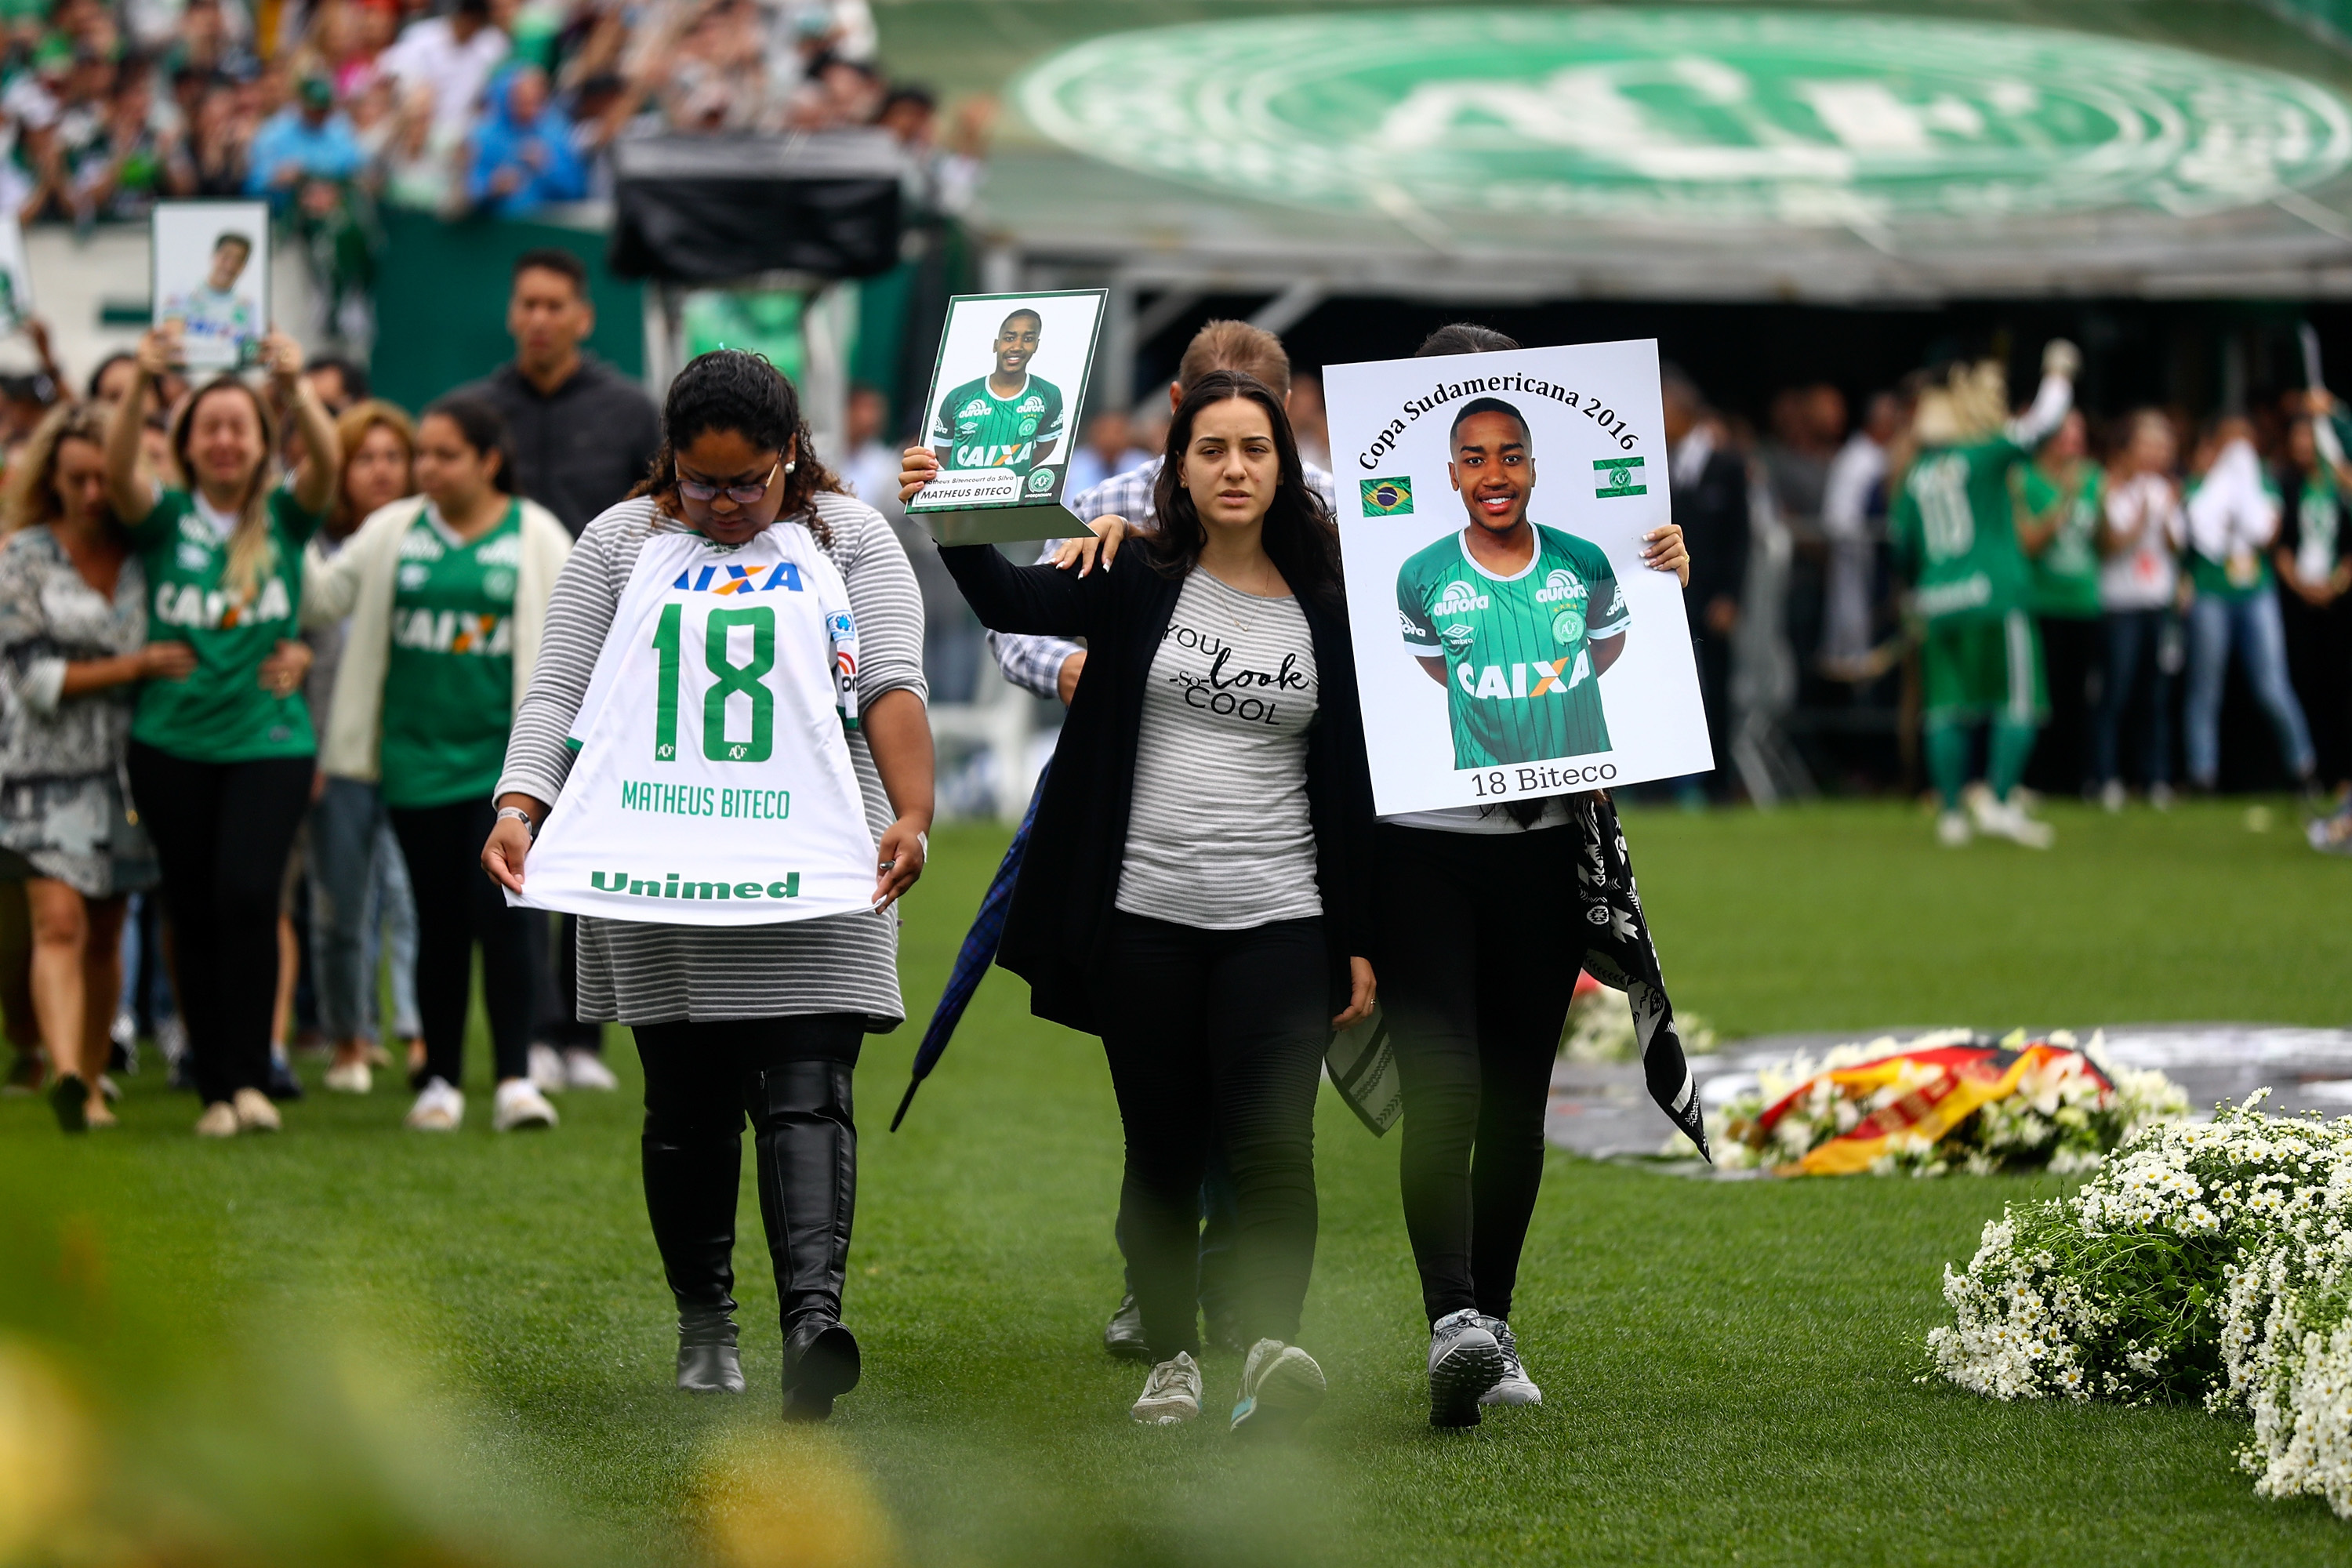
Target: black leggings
x=1475 y=1003
x=457 y=905
x=792 y=1075
x=222 y=833
x=1219 y=1036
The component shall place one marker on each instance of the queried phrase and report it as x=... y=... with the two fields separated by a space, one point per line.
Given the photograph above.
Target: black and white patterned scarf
x=1617 y=951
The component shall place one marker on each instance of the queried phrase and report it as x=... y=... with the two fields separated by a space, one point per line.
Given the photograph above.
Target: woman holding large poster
x=724 y=765
x=1518 y=621
x=1195 y=888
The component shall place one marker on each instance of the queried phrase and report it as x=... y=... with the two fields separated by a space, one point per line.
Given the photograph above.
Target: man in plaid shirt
x=1049 y=666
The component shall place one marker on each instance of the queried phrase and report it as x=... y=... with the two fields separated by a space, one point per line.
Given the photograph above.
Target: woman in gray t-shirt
x=1195 y=887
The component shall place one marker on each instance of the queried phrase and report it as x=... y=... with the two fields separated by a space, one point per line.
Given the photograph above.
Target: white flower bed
x=2206 y=1261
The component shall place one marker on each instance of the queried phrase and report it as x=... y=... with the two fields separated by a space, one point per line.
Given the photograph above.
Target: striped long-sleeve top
x=642 y=974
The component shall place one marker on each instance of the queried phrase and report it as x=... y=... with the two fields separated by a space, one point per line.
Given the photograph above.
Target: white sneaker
x=219 y=1120
x=254 y=1111
x=2160 y=796
x=547 y=1068
x=1517 y=1387
x=586 y=1069
x=439 y=1108
x=172 y=1039
x=350 y=1077
x=1951 y=829
x=2110 y=795
x=1172 y=1394
x=1465 y=1361
x=1281 y=1388
x=2007 y=819
x=518 y=1104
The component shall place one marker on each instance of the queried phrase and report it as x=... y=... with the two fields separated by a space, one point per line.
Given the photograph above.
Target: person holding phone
x=220 y=763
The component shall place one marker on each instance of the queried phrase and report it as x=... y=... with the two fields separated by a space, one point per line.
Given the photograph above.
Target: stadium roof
x=2175 y=148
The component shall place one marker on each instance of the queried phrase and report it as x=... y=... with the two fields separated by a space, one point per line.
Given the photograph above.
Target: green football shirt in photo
x=1519 y=682
x=449 y=689
x=221 y=712
x=985 y=431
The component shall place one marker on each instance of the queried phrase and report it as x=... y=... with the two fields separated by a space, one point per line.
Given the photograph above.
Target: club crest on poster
x=1510 y=643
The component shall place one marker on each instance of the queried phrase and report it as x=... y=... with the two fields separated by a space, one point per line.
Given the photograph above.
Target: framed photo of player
x=212 y=278
x=1003 y=412
x=1509 y=642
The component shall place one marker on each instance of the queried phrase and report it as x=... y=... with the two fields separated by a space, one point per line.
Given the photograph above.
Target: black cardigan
x=1060 y=918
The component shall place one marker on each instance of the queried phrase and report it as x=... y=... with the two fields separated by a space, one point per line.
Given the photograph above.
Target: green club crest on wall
x=1689 y=116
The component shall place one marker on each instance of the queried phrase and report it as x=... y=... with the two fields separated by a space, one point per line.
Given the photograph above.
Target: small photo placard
x=1002 y=417
x=212 y=279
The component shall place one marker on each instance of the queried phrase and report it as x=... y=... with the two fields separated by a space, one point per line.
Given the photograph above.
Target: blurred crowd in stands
x=504 y=106
x=2203 y=640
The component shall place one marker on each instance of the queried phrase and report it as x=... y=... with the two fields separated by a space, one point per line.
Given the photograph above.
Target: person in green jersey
x=220 y=763
x=1517 y=621
x=1953 y=529
x=448 y=592
x=1008 y=418
x=2060 y=498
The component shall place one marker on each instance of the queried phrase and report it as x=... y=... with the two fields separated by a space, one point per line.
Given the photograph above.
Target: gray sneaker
x=1464 y=1361
x=1172 y=1394
x=1281 y=1388
x=1515 y=1387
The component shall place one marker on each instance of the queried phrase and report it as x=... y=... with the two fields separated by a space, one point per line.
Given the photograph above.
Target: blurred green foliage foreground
x=354 y=1344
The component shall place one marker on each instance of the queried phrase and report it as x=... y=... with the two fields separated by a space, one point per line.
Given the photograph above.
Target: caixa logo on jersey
x=736 y=579
x=186 y=605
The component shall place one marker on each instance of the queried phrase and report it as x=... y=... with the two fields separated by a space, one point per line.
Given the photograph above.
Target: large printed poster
x=1510 y=641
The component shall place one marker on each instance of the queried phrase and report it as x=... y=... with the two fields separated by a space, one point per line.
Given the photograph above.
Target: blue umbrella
x=972 y=963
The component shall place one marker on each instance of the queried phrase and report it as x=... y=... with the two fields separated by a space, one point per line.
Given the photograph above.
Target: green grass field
x=347 y=1341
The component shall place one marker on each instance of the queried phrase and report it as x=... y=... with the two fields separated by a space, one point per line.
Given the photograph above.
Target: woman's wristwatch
x=530 y=824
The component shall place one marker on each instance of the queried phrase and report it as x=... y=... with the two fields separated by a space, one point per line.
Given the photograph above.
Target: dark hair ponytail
x=484 y=429
x=1299 y=536
x=735 y=389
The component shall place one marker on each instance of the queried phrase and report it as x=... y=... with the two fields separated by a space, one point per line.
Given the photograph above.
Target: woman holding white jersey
x=723 y=766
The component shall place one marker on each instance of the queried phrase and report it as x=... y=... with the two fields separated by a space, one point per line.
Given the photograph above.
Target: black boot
x=807 y=1144
x=690 y=1196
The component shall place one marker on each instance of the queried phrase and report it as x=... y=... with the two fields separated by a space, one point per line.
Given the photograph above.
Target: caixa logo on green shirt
x=194 y=605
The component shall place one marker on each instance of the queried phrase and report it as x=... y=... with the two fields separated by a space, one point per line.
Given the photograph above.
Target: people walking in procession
x=74 y=654
x=447 y=594
x=363 y=912
x=1477 y=1028
x=221 y=760
x=1195 y=891
x=1049 y=666
x=741 y=1007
